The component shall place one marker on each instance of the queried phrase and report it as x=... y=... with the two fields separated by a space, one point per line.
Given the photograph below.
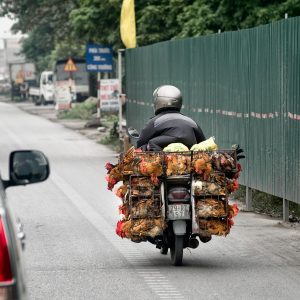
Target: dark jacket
x=169 y=127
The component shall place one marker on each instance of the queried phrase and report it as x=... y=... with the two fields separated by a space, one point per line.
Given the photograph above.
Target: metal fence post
x=285 y=210
x=120 y=73
x=249 y=206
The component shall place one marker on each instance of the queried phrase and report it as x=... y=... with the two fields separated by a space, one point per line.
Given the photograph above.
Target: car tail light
x=5 y=266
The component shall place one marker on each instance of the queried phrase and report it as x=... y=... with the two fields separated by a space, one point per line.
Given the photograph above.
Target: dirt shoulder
x=84 y=127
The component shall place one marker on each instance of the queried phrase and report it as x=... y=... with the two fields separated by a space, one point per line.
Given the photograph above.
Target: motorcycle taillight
x=179 y=194
x=5 y=266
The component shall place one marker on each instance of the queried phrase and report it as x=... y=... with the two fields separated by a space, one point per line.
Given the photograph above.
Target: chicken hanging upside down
x=223 y=162
x=148 y=227
x=113 y=176
x=215 y=227
x=202 y=165
x=142 y=186
x=146 y=208
x=207 y=188
x=151 y=165
x=178 y=164
x=210 y=208
x=121 y=191
x=140 y=228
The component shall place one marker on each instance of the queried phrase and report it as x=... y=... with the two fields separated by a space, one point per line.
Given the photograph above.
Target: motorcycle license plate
x=178 y=211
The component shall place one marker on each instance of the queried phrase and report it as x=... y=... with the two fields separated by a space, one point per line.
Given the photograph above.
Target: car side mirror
x=26 y=167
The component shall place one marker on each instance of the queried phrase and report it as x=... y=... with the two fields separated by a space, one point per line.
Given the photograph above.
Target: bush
x=109 y=120
x=83 y=111
x=112 y=139
x=266 y=203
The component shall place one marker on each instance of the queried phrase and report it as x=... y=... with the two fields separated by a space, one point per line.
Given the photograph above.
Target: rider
x=169 y=125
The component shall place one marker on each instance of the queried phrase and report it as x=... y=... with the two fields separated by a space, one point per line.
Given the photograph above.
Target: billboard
x=109 y=94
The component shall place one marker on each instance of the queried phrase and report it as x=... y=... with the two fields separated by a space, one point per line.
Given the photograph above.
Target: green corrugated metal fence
x=241 y=87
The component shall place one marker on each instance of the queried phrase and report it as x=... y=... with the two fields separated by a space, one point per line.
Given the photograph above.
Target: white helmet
x=167 y=96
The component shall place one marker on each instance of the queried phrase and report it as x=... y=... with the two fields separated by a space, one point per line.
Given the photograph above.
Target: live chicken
x=210 y=208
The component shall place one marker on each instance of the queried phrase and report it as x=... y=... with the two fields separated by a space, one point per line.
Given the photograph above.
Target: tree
x=46 y=23
x=97 y=21
x=60 y=28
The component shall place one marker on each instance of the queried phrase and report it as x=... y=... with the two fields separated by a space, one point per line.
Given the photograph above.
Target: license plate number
x=178 y=211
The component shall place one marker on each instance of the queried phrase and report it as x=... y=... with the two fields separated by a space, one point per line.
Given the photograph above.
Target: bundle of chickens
x=202 y=188
x=145 y=208
x=202 y=165
x=178 y=164
x=134 y=161
x=210 y=208
x=142 y=186
x=139 y=229
x=213 y=224
x=150 y=164
x=215 y=227
x=223 y=162
x=177 y=159
x=139 y=218
x=206 y=163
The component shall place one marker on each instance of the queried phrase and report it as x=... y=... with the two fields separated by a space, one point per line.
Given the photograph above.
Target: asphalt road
x=72 y=251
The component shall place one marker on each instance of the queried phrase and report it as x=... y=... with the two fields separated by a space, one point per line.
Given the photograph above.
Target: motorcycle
x=178 y=208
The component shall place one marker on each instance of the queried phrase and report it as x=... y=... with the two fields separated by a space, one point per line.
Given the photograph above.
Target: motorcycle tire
x=177 y=250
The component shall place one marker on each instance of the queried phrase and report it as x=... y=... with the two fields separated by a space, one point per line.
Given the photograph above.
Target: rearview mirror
x=133 y=136
x=133 y=132
x=27 y=166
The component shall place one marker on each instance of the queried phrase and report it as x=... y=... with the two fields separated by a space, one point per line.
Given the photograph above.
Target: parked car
x=25 y=167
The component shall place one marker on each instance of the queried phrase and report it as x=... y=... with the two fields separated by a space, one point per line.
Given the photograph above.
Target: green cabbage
x=207 y=145
x=176 y=147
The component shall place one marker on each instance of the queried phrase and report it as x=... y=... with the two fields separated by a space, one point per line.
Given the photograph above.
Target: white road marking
x=153 y=278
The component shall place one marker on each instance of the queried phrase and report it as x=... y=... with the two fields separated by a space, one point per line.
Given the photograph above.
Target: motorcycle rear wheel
x=177 y=250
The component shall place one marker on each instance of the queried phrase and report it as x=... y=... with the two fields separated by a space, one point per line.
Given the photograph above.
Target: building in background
x=10 y=49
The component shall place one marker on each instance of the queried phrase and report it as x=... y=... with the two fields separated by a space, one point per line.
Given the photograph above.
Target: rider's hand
x=239 y=153
x=144 y=147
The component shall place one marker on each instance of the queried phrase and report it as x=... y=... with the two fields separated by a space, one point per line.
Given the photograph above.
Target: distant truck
x=44 y=93
x=70 y=87
x=22 y=75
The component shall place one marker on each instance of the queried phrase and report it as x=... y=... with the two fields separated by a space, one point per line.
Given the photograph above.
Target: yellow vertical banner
x=127 y=24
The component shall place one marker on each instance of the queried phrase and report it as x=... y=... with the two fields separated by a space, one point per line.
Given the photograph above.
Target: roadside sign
x=109 y=94
x=70 y=66
x=98 y=58
x=63 y=97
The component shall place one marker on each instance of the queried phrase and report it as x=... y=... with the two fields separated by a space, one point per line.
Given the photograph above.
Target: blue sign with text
x=98 y=58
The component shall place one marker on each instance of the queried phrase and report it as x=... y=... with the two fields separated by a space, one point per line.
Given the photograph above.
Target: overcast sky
x=5 y=24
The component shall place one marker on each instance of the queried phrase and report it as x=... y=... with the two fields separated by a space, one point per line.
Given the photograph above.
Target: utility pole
x=120 y=53
x=98 y=97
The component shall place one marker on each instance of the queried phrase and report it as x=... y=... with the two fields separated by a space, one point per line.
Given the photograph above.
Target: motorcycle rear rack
x=162 y=158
